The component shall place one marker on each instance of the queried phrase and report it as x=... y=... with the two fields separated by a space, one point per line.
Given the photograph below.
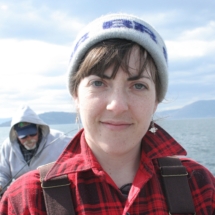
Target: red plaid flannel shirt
x=94 y=192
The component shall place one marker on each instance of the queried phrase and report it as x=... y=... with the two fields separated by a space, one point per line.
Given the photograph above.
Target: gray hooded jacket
x=13 y=164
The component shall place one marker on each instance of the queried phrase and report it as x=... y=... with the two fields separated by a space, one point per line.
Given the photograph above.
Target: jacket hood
x=26 y=114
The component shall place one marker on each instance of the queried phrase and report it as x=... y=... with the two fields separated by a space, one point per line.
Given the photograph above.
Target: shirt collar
x=77 y=156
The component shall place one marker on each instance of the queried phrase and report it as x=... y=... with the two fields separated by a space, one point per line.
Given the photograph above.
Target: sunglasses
x=31 y=135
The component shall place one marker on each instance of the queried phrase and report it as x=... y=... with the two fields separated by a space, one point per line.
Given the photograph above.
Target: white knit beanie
x=122 y=26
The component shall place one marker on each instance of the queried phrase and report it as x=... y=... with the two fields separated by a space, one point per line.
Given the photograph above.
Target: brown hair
x=116 y=53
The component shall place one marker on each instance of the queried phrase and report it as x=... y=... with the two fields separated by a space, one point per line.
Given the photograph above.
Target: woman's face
x=116 y=113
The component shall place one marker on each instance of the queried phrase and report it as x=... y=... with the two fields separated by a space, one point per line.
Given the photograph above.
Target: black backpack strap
x=56 y=193
x=176 y=187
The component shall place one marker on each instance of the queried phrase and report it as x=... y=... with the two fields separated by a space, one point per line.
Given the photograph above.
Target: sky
x=36 y=37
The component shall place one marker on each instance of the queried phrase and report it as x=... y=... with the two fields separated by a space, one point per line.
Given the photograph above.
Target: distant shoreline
x=204 y=109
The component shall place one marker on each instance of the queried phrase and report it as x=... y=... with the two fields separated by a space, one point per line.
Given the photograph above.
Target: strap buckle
x=193 y=213
x=49 y=187
x=174 y=175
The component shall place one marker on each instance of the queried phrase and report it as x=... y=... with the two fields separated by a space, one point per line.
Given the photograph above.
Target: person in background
x=118 y=75
x=31 y=143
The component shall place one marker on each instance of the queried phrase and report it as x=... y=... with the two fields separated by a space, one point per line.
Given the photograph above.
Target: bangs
x=113 y=53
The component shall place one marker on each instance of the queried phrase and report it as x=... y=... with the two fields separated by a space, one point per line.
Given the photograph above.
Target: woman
x=117 y=77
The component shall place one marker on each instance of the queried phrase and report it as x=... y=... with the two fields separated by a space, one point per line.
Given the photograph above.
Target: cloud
x=3 y=7
x=200 y=33
x=28 y=57
x=190 y=48
x=32 y=71
x=24 y=21
x=192 y=43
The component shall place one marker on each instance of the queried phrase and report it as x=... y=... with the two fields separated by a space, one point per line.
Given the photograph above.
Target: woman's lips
x=116 y=125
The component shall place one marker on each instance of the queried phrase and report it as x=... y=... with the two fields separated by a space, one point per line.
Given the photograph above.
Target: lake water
x=197 y=136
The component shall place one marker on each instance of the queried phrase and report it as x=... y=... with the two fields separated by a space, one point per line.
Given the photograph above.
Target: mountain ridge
x=52 y=118
x=198 y=109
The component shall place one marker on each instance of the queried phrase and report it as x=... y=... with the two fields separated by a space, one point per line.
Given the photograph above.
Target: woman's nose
x=117 y=101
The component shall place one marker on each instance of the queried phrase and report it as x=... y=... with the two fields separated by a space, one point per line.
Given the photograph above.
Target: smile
x=116 y=125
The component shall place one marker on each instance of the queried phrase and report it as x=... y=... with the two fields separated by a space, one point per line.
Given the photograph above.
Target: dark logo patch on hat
x=23 y=124
x=123 y=23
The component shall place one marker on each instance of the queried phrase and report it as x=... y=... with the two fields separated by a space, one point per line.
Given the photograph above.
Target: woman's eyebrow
x=137 y=77
x=131 y=78
x=103 y=76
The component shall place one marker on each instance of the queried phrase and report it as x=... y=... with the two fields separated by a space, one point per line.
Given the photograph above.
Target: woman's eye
x=139 y=86
x=97 y=83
